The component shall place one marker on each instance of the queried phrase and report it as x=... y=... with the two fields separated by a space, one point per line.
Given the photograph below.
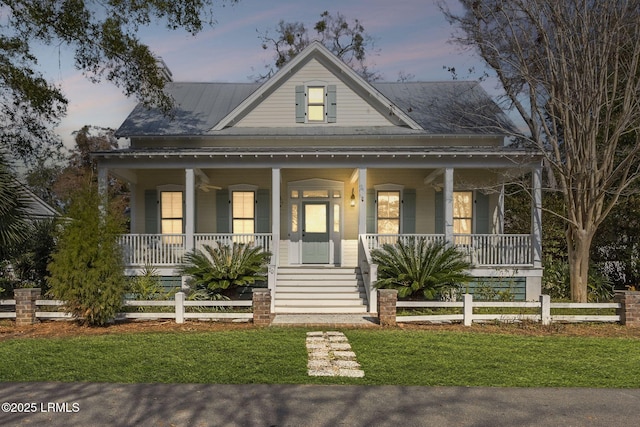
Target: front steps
x=319 y=289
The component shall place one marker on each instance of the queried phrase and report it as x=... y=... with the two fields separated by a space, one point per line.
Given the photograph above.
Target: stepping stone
x=352 y=373
x=340 y=346
x=346 y=364
x=329 y=354
x=345 y=354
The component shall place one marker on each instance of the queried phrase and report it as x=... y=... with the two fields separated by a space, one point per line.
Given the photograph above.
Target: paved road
x=95 y=404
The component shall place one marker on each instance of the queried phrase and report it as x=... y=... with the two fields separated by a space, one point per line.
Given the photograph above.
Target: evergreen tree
x=87 y=267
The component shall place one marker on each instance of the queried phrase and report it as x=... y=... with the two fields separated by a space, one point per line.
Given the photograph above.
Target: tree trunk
x=579 y=244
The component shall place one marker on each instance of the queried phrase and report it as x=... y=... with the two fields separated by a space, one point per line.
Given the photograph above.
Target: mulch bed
x=58 y=329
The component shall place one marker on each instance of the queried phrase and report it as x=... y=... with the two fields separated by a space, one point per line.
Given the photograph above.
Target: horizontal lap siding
x=278 y=109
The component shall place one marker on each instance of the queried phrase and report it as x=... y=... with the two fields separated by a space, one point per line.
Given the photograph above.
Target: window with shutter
x=316 y=104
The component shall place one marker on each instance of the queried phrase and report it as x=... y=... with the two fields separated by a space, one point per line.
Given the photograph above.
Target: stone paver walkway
x=330 y=355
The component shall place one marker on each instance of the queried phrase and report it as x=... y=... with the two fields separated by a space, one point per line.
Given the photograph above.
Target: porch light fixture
x=353 y=198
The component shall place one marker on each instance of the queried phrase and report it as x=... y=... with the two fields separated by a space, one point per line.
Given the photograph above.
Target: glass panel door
x=315 y=233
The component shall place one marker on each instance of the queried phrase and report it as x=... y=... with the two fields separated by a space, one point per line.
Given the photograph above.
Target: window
x=462 y=212
x=315 y=104
x=318 y=194
x=171 y=220
x=243 y=212
x=388 y=212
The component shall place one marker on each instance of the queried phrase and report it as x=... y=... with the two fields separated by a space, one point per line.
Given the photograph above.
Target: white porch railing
x=483 y=250
x=169 y=249
x=488 y=250
x=153 y=249
x=374 y=241
x=264 y=240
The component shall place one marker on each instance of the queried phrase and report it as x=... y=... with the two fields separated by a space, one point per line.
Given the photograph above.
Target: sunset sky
x=411 y=36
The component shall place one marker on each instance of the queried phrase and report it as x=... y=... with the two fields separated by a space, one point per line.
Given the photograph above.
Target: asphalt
x=100 y=404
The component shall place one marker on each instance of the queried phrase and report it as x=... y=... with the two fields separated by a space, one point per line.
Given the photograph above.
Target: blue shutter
x=409 y=211
x=439 y=212
x=483 y=223
x=300 y=104
x=263 y=224
x=331 y=104
x=371 y=211
x=151 y=212
x=222 y=211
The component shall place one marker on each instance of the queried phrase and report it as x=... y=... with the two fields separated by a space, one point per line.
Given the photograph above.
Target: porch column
x=133 y=205
x=362 y=204
x=536 y=216
x=500 y=219
x=448 y=205
x=190 y=208
x=275 y=215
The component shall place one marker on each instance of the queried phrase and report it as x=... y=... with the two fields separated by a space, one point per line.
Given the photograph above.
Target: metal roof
x=199 y=107
x=440 y=108
x=452 y=108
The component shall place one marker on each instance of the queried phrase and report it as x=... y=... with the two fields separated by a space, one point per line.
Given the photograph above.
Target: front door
x=315 y=233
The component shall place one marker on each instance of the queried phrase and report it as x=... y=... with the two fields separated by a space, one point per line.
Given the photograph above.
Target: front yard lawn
x=278 y=355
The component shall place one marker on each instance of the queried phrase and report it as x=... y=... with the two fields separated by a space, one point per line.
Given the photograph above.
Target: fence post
x=262 y=307
x=26 y=305
x=387 y=299
x=629 y=310
x=272 y=274
x=467 y=309
x=373 y=294
x=179 y=298
x=545 y=310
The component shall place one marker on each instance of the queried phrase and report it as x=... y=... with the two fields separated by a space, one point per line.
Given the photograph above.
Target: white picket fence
x=181 y=310
x=543 y=315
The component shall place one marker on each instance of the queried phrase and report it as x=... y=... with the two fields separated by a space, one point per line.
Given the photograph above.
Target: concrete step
x=298 y=296
x=319 y=289
x=321 y=283
x=320 y=302
x=316 y=277
x=321 y=309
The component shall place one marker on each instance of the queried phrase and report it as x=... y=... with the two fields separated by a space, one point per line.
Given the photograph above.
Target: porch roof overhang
x=320 y=157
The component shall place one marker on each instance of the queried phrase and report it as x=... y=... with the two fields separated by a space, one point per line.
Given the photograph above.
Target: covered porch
x=352 y=201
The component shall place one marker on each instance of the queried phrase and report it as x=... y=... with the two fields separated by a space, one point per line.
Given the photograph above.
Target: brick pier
x=629 y=310
x=387 y=299
x=262 y=307
x=26 y=305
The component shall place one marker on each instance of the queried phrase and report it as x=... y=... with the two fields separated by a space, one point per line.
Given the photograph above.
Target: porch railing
x=153 y=249
x=264 y=240
x=482 y=250
x=169 y=249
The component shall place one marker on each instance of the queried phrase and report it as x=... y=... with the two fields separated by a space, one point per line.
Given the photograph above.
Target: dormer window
x=316 y=103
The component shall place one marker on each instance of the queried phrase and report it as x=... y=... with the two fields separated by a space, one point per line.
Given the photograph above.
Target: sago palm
x=418 y=266
x=225 y=267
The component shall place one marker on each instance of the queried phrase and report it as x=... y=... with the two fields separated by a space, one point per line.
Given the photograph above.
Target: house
x=319 y=167
x=35 y=208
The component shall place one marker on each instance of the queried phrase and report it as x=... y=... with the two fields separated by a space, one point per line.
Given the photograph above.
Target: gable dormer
x=316 y=88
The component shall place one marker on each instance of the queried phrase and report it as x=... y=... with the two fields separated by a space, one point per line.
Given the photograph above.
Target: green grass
x=478 y=359
x=274 y=355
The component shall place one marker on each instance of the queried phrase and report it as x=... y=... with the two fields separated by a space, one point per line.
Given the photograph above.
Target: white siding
x=278 y=109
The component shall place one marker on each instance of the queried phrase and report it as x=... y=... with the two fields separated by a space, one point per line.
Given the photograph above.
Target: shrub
x=86 y=270
x=147 y=286
x=431 y=269
x=556 y=282
x=224 y=268
x=34 y=254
